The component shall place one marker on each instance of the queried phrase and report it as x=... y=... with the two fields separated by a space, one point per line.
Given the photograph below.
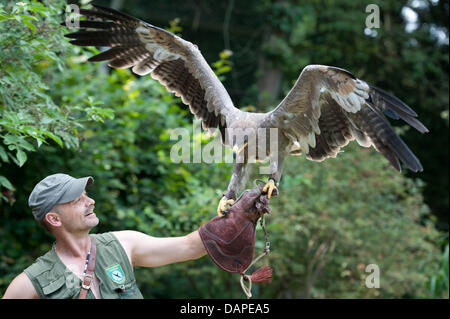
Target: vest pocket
x=57 y=289
x=54 y=285
x=126 y=290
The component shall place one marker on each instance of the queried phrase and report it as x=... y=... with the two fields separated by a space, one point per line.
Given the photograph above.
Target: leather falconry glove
x=230 y=240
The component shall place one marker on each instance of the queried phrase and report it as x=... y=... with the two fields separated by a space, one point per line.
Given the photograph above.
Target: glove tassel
x=263 y=274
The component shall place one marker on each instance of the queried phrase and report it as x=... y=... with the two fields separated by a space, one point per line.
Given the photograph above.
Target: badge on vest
x=116 y=273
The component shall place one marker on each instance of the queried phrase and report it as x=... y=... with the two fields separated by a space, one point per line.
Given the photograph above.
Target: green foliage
x=223 y=65
x=30 y=44
x=439 y=283
x=351 y=212
x=174 y=26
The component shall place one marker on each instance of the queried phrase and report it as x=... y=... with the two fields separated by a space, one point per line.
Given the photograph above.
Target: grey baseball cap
x=56 y=189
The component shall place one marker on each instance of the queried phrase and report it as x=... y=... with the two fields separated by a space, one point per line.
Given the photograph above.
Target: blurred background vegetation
x=61 y=114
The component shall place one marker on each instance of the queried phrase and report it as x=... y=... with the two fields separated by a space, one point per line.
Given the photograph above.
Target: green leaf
x=24 y=144
x=6 y=183
x=3 y=155
x=433 y=285
x=39 y=7
x=11 y=139
x=21 y=157
x=53 y=137
x=31 y=130
x=27 y=17
x=223 y=69
x=107 y=112
x=30 y=25
x=3 y=16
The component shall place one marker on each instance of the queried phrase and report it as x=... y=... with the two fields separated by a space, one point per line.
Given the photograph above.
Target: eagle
x=326 y=108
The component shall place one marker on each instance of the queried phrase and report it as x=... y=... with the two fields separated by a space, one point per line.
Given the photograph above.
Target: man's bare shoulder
x=127 y=236
x=21 y=288
x=128 y=240
x=130 y=236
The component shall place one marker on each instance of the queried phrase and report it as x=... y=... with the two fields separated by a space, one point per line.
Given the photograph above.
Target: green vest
x=53 y=280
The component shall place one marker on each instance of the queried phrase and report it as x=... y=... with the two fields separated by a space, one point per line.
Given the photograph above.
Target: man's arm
x=21 y=288
x=147 y=251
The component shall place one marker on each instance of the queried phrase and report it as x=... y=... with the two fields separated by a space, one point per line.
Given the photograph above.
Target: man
x=80 y=265
x=60 y=203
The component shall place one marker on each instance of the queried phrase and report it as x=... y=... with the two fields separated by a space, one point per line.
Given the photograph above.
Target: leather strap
x=88 y=276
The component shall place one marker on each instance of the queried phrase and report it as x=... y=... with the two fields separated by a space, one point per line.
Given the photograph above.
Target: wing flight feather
x=336 y=107
x=147 y=49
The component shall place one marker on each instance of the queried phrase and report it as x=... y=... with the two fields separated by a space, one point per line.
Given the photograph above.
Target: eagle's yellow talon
x=269 y=187
x=222 y=206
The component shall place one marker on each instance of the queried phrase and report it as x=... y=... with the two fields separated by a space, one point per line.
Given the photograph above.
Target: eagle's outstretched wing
x=174 y=62
x=328 y=107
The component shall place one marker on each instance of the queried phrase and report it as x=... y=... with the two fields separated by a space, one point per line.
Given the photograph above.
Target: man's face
x=78 y=215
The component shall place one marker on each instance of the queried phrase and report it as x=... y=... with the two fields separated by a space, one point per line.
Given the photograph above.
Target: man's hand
x=230 y=240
